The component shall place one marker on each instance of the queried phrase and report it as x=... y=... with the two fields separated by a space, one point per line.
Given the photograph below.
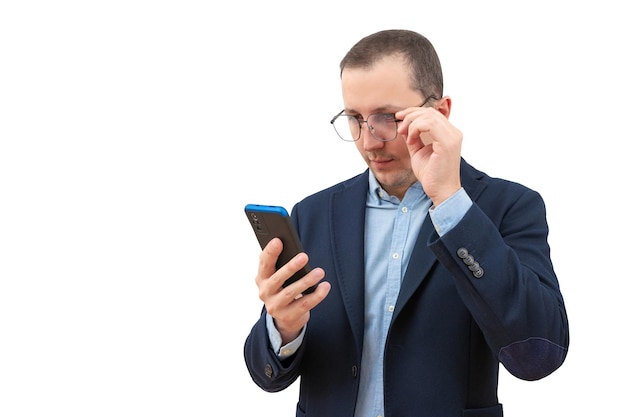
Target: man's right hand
x=290 y=309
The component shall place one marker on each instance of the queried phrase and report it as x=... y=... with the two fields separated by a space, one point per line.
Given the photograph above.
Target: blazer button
x=474 y=267
x=269 y=372
x=462 y=253
x=354 y=370
x=479 y=273
x=468 y=260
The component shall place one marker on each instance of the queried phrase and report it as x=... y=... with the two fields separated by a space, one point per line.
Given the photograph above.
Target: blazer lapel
x=421 y=261
x=347 y=220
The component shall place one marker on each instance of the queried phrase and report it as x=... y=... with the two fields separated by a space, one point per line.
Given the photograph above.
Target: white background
x=134 y=132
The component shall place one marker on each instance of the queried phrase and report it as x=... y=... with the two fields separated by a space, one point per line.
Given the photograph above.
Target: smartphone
x=269 y=222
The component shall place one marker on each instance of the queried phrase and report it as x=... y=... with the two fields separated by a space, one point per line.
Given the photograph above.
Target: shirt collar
x=377 y=195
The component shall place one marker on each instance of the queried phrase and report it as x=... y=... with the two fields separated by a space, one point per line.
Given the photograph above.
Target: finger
x=404 y=112
x=414 y=123
x=290 y=268
x=268 y=257
x=292 y=308
x=298 y=287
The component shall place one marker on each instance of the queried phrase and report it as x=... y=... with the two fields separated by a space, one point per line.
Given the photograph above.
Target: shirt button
x=395 y=255
x=405 y=210
x=391 y=308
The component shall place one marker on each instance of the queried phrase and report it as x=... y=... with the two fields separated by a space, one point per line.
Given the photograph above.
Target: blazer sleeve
x=266 y=369
x=499 y=258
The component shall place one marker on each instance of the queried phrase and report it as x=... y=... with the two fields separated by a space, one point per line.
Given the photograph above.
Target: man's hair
x=417 y=51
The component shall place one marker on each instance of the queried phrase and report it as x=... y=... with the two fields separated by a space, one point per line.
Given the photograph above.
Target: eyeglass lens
x=382 y=126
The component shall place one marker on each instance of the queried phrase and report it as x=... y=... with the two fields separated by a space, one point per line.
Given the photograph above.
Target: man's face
x=382 y=88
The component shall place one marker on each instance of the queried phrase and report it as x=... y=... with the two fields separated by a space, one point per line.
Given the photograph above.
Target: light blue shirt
x=391 y=229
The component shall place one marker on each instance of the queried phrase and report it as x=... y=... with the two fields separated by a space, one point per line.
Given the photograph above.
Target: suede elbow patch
x=533 y=358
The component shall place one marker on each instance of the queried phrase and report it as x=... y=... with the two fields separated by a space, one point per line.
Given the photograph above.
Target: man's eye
x=386 y=118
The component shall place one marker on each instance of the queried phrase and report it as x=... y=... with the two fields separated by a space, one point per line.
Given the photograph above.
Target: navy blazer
x=485 y=293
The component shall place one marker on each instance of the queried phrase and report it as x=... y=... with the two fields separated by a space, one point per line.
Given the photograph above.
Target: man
x=430 y=272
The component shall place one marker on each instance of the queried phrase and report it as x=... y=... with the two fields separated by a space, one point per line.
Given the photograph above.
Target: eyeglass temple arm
x=336 y=116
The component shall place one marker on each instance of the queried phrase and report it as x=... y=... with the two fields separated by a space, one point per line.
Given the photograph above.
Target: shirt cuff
x=449 y=213
x=290 y=348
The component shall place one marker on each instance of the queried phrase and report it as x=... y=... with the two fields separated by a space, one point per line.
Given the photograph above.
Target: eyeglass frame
x=369 y=127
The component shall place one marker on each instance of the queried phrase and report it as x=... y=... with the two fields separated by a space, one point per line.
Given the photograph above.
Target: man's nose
x=369 y=141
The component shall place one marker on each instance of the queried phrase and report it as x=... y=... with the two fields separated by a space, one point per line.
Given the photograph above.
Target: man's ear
x=444 y=106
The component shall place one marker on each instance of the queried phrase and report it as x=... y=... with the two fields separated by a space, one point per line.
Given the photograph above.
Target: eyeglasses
x=382 y=126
